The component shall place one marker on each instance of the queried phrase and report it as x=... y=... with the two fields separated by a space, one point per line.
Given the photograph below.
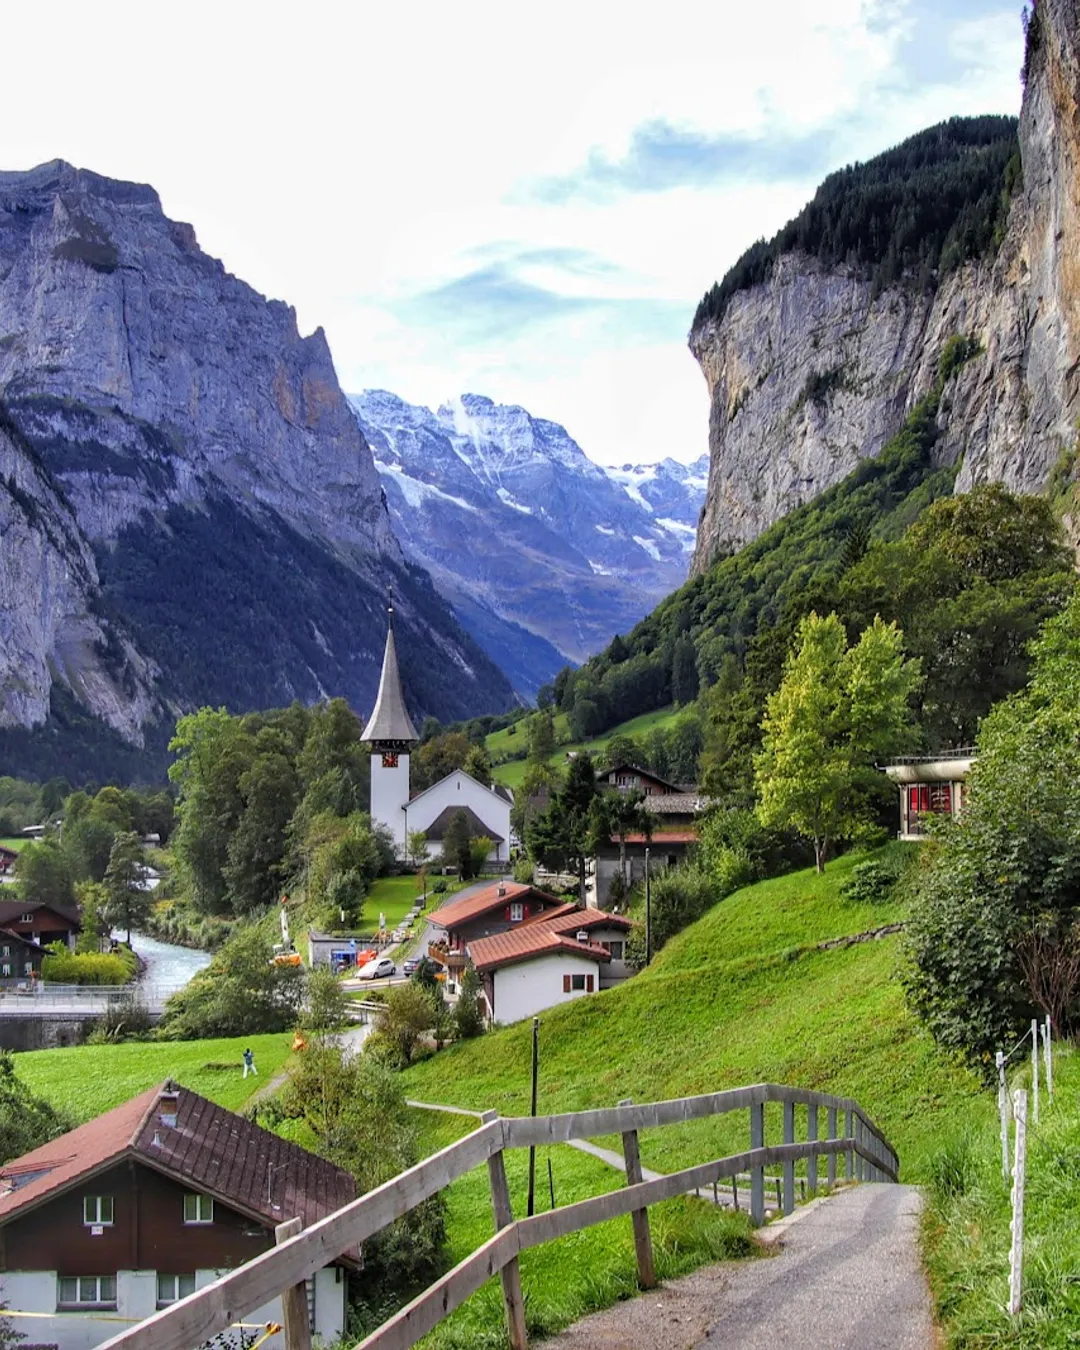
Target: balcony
x=453 y=958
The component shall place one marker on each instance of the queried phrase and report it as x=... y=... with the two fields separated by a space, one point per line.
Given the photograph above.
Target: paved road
x=847 y=1277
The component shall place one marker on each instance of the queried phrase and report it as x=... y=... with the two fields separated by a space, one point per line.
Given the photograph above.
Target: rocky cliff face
x=208 y=522
x=519 y=527
x=815 y=368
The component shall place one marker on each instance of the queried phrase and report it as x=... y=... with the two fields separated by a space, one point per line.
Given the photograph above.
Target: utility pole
x=532 y=1147
x=648 y=911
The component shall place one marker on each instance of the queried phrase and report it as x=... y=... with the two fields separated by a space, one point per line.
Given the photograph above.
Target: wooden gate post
x=294 y=1304
x=513 y=1299
x=757 y=1174
x=811 y=1135
x=830 y=1133
x=789 y=1163
x=638 y=1217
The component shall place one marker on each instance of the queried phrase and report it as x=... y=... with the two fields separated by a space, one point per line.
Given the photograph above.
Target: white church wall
x=389 y=794
x=457 y=791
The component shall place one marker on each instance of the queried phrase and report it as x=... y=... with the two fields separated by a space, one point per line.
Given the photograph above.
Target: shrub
x=870 y=883
x=64 y=967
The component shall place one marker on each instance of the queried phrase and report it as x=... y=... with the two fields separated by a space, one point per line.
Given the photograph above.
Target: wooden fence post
x=850 y=1155
x=638 y=1217
x=1048 y=1060
x=1035 y=1066
x=830 y=1133
x=789 y=1163
x=1016 y=1255
x=294 y=1304
x=757 y=1174
x=513 y=1299
x=811 y=1135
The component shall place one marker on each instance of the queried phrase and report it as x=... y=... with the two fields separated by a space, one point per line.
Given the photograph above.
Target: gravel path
x=847 y=1276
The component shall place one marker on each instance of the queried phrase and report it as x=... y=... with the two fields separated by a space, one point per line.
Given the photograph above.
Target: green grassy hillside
x=742 y=996
x=512 y=772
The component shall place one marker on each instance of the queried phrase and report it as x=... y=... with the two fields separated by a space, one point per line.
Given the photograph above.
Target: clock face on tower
x=389 y=759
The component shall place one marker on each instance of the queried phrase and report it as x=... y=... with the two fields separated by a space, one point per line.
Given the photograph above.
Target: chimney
x=168 y=1104
x=583 y=935
x=502 y=888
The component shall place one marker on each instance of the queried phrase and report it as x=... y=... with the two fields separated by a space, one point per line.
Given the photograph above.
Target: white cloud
x=352 y=159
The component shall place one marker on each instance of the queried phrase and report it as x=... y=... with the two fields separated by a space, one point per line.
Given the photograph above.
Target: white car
x=375 y=970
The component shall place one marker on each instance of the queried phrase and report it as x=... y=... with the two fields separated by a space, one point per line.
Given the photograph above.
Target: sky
x=520 y=201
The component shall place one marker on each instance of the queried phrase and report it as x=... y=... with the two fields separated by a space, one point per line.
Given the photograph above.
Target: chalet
x=8 y=859
x=932 y=787
x=569 y=954
x=675 y=811
x=487 y=811
x=20 y=958
x=43 y=921
x=149 y=1202
x=493 y=909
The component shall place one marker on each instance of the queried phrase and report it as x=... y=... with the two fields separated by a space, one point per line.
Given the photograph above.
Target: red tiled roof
x=209 y=1148
x=522 y=944
x=463 y=908
x=586 y=918
x=13 y=910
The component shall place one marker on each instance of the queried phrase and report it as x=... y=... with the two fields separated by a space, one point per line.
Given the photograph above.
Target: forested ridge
x=914 y=213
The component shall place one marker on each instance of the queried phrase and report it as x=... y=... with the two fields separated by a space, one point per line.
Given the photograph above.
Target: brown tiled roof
x=686 y=836
x=208 y=1148
x=463 y=908
x=23 y=939
x=643 y=773
x=675 y=803
x=522 y=944
x=13 y=910
x=577 y=918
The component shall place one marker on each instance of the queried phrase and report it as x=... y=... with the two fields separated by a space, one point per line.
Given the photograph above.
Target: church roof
x=390 y=721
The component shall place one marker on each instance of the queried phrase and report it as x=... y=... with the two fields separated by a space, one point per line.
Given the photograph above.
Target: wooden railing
x=848 y=1135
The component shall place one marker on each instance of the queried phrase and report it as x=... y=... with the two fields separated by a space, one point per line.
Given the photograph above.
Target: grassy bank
x=84 y=1080
x=966 y=1233
x=512 y=772
x=741 y=996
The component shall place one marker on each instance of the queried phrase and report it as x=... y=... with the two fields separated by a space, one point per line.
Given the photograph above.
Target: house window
x=672 y=859
x=6 y=968
x=170 y=1288
x=616 y=949
x=6 y=951
x=97 y=1209
x=28 y=969
x=198 y=1209
x=577 y=982
x=517 y=912
x=86 y=1291
x=26 y=918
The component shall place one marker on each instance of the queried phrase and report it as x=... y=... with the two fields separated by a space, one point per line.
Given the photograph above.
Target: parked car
x=410 y=965
x=377 y=969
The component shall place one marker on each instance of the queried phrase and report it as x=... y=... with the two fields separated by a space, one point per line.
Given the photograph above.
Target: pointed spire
x=390 y=722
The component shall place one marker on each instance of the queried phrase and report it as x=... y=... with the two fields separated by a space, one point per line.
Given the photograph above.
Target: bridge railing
x=838 y=1132
x=42 y=994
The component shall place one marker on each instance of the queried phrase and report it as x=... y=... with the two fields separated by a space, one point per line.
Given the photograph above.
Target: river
x=166 y=966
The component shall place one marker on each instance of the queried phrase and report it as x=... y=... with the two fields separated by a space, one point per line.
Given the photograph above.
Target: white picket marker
x=1016 y=1255
x=1003 y=1112
x=1035 y=1067
x=1048 y=1061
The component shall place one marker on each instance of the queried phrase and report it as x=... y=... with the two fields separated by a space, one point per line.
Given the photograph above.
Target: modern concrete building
x=931 y=787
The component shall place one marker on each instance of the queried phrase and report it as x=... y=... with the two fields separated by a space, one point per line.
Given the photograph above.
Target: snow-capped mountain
x=518 y=525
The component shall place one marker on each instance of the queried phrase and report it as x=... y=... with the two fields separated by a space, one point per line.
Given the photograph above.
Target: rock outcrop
x=815 y=368
x=196 y=474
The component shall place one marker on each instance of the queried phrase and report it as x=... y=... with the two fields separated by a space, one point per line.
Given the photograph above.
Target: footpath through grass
x=966 y=1235
x=564 y=1280
x=85 y=1080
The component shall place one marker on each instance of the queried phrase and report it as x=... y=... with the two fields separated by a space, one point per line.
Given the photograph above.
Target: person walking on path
x=249 y=1062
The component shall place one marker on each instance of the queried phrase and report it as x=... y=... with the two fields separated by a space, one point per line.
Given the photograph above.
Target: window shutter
x=566 y=984
x=507 y=913
x=588 y=984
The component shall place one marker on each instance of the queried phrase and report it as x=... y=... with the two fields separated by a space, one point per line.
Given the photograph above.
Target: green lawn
x=512 y=773
x=84 y=1080
x=564 y=1280
x=966 y=1236
x=740 y=997
x=16 y=845
x=395 y=896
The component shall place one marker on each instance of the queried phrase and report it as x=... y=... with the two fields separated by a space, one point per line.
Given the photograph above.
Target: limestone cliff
x=814 y=367
x=207 y=520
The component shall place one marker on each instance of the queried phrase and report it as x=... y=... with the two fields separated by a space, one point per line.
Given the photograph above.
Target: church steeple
x=390 y=727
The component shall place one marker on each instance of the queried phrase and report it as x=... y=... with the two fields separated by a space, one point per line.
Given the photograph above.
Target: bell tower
x=391 y=735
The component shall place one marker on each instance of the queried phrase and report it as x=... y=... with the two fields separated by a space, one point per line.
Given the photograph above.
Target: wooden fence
x=835 y=1127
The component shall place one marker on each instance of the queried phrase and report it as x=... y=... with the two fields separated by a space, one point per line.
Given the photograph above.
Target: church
x=391 y=735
